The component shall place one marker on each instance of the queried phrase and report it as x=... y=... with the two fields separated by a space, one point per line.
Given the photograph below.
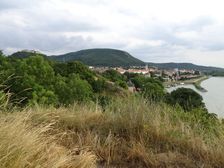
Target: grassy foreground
x=128 y=133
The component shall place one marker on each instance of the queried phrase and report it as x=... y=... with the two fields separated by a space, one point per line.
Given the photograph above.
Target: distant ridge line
x=112 y=58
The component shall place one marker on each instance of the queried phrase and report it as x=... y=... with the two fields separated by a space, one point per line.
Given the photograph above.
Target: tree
x=113 y=75
x=1 y=53
x=122 y=84
x=33 y=77
x=187 y=98
x=99 y=85
x=153 y=91
x=40 y=95
x=80 y=89
x=75 y=67
x=72 y=89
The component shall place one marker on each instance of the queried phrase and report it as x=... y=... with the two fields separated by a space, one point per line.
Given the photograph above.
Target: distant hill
x=112 y=58
x=26 y=53
x=185 y=66
x=100 y=57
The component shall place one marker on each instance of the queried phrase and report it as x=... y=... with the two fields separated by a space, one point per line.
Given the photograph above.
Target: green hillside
x=114 y=58
x=100 y=57
x=172 y=65
x=26 y=53
x=63 y=115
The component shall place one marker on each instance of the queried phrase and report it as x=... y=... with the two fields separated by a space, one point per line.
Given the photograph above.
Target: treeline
x=38 y=80
x=215 y=73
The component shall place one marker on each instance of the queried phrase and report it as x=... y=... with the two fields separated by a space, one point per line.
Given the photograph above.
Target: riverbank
x=196 y=82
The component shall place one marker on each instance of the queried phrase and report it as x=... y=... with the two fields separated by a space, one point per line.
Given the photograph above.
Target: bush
x=187 y=98
x=153 y=91
x=72 y=89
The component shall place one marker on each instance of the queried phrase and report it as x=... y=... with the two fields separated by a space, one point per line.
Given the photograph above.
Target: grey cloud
x=162 y=53
x=14 y=4
x=195 y=25
x=35 y=19
x=64 y=25
x=44 y=41
x=215 y=47
x=164 y=32
x=50 y=43
x=31 y=25
x=167 y=32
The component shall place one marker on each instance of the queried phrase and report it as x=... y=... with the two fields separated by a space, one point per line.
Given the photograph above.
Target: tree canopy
x=187 y=98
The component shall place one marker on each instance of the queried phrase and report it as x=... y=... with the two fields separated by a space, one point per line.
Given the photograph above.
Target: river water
x=214 y=98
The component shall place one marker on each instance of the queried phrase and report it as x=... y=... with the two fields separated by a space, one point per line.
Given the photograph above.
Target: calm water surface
x=214 y=98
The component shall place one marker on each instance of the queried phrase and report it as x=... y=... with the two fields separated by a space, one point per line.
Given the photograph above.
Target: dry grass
x=129 y=133
x=23 y=145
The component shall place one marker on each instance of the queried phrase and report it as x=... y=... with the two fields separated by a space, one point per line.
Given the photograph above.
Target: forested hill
x=100 y=57
x=185 y=66
x=114 y=58
x=26 y=54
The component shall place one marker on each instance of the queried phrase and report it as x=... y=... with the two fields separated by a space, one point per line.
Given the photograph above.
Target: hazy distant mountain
x=100 y=57
x=185 y=66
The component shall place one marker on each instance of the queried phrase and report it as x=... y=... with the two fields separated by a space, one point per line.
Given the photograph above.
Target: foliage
x=151 y=88
x=42 y=96
x=79 y=89
x=113 y=75
x=185 y=66
x=116 y=77
x=99 y=85
x=33 y=77
x=216 y=73
x=26 y=54
x=124 y=132
x=187 y=98
x=65 y=69
x=35 y=80
x=153 y=91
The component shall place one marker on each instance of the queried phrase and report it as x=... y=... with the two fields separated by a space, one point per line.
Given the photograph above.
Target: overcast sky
x=151 y=30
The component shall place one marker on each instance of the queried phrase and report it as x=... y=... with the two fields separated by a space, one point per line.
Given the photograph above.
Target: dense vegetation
x=26 y=54
x=187 y=98
x=64 y=115
x=130 y=132
x=36 y=80
x=186 y=66
x=215 y=73
x=101 y=57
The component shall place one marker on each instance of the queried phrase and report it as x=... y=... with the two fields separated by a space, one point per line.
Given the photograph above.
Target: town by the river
x=214 y=97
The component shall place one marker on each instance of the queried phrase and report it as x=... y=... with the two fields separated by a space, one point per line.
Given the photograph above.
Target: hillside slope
x=26 y=54
x=100 y=57
x=172 y=65
x=112 y=58
x=129 y=133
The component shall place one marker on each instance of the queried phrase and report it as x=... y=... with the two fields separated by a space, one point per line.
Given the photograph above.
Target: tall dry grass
x=24 y=145
x=134 y=132
x=128 y=133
